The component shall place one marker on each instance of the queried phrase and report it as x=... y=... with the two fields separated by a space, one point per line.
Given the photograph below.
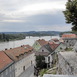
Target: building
x=48 y=52
x=7 y=68
x=55 y=40
x=47 y=56
x=56 y=48
x=60 y=47
x=67 y=63
x=51 y=75
x=39 y=43
x=69 y=39
x=23 y=56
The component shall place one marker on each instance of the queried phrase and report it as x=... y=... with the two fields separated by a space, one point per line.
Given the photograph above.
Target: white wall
x=58 y=49
x=26 y=61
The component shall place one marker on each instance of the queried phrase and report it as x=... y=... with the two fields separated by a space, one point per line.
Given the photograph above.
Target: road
x=28 y=73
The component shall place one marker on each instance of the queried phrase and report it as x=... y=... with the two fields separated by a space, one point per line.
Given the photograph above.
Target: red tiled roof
x=53 y=45
x=42 y=42
x=4 y=60
x=55 y=40
x=69 y=36
x=13 y=53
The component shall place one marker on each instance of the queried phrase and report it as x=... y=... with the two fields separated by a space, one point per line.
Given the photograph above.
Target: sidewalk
x=29 y=72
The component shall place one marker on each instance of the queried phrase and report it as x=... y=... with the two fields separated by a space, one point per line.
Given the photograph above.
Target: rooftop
x=4 y=60
x=69 y=36
x=16 y=52
x=55 y=39
x=42 y=42
x=53 y=45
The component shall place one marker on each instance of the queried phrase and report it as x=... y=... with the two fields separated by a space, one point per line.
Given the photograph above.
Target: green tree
x=40 y=62
x=71 y=13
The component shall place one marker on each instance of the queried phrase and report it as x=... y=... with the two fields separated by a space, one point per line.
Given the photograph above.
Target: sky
x=32 y=15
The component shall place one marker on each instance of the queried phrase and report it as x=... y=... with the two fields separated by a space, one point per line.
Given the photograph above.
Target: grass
x=42 y=72
x=68 y=49
x=52 y=70
x=48 y=71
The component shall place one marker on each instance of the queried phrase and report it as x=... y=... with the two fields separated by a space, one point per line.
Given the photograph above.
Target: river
x=28 y=40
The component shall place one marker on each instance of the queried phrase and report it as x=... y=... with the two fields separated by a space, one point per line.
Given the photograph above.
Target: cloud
x=40 y=8
x=54 y=28
x=19 y=8
x=41 y=22
x=18 y=21
x=28 y=15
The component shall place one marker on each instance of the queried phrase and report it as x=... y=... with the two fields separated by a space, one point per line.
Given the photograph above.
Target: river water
x=28 y=40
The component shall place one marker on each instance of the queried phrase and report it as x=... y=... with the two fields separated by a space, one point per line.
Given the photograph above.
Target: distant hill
x=35 y=33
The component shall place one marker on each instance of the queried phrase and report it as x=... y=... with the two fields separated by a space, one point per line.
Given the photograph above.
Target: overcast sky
x=32 y=15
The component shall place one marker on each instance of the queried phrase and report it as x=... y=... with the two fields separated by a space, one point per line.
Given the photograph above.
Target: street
x=28 y=73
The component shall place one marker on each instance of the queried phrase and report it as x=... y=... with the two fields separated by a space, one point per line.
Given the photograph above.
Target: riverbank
x=17 y=43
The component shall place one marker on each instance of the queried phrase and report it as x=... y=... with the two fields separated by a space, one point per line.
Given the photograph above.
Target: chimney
x=21 y=45
x=5 y=48
x=10 y=48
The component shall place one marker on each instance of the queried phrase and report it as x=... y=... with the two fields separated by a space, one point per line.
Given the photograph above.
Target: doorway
x=23 y=68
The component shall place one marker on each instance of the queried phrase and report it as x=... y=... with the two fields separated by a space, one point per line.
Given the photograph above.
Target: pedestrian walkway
x=28 y=73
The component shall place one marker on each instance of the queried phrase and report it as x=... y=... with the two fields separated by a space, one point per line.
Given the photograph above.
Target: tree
x=71 y=13
x=40 y=62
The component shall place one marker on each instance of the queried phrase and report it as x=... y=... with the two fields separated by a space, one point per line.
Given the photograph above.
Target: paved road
x=28 y=73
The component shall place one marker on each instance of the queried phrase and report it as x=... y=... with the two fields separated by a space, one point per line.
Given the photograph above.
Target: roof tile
x=4 y=60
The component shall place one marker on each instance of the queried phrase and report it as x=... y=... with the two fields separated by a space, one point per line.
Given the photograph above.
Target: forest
x=9 y=37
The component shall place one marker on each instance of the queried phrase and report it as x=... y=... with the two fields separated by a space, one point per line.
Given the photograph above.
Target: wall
x=24 y=63
x=43 y=49
x=49 y=61
x=70 y=42
x=64 y=67
x=9 y=72
x=36 y=46
x=61 y=47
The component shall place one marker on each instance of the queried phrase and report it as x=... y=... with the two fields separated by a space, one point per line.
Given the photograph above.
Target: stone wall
x=64 y=67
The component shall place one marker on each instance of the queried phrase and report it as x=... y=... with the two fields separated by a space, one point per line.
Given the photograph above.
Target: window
x=76 y=50
x=36 y=43
x=67 y=41
x=60 y=48
x=42 y=50
x=49 y=59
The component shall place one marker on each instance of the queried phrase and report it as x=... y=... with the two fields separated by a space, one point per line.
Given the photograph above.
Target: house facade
x=70 y=42
x=69 y=39
x=23 y=56
x=39 y=43
x=47 y=56
x=67 y=63
x=48 y=52
x=7 y=68
x=60 y=47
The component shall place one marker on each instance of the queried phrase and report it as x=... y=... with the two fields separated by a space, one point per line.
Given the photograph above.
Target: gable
x=36 y=46
x=43 y=49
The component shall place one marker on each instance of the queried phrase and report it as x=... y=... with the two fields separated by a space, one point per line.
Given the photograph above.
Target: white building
x=23 y=56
